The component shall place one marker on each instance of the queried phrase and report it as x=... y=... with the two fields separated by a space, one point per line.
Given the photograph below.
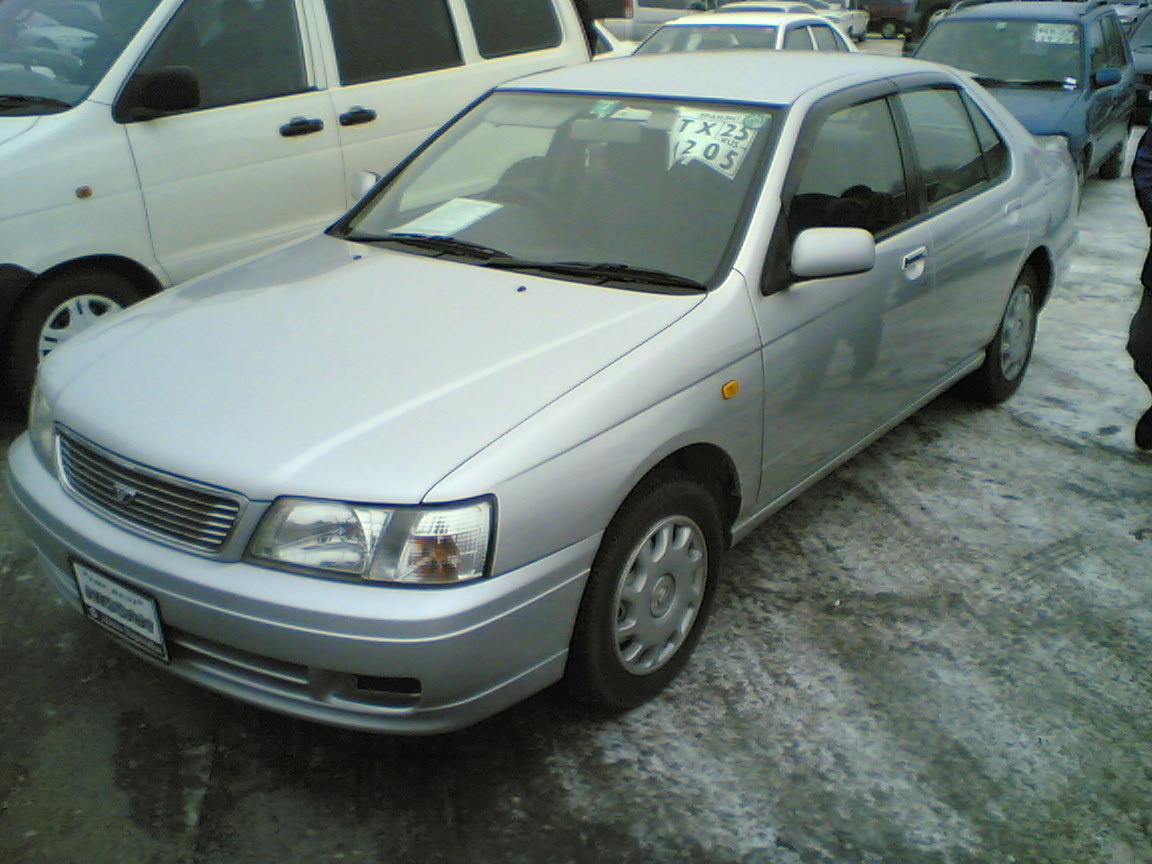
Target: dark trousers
x=1140 y=331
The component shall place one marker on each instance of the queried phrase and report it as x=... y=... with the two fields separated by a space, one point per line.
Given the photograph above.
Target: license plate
x=122 y=611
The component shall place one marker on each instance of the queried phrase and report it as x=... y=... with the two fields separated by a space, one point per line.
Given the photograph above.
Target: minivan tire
x=57 y=308
x=657 y=567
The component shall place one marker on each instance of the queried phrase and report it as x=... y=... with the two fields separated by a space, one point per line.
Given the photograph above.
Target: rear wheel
x=1007 y=356
x=648 y=594
x=1113 y=166
x=59 y=308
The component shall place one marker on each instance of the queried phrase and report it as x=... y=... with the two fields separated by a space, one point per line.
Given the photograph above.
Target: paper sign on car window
x=719 y=139
x=449 y=218
x=1055 y=34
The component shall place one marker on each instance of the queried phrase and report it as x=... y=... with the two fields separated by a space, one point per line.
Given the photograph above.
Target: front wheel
x=648 y=594
x=1008 y=354
x=59 y=308
x=889 y=30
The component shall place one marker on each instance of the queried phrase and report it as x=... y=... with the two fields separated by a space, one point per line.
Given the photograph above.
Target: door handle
x=301 y=126
x=914 y=262
x=356 y=115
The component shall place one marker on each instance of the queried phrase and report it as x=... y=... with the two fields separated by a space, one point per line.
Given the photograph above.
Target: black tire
x=1113 y=166
x=889 y=30
x=674 y=523
x=1007 y=356
x=44 y=319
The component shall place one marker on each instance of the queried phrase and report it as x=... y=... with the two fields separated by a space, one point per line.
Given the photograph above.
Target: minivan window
x=53 y=52
x=240 y=50
x=504 y=28
x=374 y=40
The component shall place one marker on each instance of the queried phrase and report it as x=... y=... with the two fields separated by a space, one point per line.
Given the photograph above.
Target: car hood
x=337 y=370
x=10 y=127
x=1041 y=112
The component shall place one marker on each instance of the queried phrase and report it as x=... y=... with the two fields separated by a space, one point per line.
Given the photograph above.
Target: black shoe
x=1144 y=431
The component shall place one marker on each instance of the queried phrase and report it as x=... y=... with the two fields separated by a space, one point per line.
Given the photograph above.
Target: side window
x=390 y=38
x=854 y=175
x=1113 y=42
x=992 y=146
x=797 y=39
x=945 y=142
x=504 y=28
x=240 y=50
x=1097 y=53
x=825 y=39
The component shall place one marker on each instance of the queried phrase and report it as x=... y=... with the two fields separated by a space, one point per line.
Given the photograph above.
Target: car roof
x=743 y=19
x=1030 y=10
x=760 y=77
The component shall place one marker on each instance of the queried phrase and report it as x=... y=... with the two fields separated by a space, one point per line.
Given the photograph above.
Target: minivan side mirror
x=165 y=91
x=1105 y=77
x=821 y=252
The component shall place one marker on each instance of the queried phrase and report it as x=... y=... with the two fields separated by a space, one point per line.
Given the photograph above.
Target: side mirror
x=821 y=252
x=166 y=91
x=1105 y=77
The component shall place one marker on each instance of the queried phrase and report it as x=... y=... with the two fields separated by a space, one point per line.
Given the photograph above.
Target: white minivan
x=144 y=142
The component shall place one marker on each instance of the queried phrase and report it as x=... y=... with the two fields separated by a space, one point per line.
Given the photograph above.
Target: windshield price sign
x=719 y=139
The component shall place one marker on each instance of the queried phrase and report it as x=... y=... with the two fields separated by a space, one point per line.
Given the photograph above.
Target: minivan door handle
x=301 y=126
x=913 y=263
x=356 y=115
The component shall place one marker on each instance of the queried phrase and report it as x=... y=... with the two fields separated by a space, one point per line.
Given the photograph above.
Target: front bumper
x=369 y=657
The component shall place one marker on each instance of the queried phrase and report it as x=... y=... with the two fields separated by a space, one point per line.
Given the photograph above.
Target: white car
x=843 y=13
x=497 y=427
x=746 y=30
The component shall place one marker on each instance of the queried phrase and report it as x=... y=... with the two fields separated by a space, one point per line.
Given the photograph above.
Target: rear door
x=403 y=68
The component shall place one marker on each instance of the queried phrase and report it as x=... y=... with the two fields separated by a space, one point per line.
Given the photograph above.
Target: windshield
x=53 y=52
x=616 y=184
x=1007 y=52
x=711 y=37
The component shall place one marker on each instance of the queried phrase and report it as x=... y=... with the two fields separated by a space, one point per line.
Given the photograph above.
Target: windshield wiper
x=17 y=100
x=434 y=243
x=606 y=272
x=1047 y=83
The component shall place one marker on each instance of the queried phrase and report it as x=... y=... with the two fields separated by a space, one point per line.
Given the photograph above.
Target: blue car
x=1063 y=69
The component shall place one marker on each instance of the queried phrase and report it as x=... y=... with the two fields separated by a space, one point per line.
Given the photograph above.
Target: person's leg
x=1140 y=350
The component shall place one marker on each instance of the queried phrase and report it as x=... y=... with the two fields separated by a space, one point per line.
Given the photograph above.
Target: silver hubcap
x=659 y=594
x=1016 y=335
x=72 y=317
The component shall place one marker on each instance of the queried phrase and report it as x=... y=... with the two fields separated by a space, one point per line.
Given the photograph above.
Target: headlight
x=414 y=545
x=41 y=430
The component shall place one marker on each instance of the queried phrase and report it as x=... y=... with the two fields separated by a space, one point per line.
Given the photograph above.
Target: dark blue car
x=1063 y=69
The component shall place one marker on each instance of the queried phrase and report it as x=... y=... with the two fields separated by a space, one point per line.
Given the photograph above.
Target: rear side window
x=991 y=144
x=377 y=39
x=951 y=160
x=504 y=28
x=854 y=175
x=825 y=39
x=797 y=39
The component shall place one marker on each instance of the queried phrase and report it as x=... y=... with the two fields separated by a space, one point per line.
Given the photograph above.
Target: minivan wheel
x=889 y=30
x=648 y=594
x=1007 y=356
x=59 y=308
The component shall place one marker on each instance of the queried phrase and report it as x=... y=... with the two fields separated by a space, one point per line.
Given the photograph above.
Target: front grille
x=179 y=510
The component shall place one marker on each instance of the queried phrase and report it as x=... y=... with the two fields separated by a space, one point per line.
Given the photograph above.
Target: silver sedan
x=497 y=427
